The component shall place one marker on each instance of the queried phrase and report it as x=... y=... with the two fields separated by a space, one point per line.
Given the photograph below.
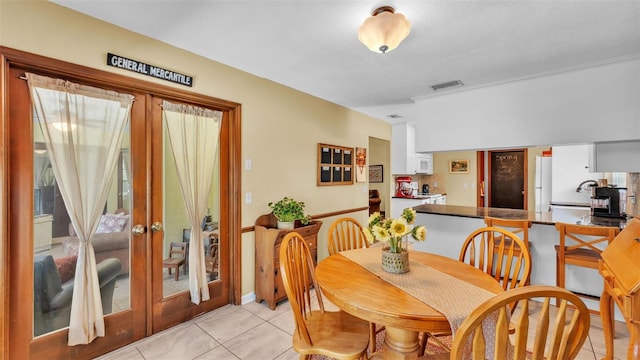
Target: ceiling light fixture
x=384 y=30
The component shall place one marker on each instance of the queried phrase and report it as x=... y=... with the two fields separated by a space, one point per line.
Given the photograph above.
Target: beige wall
x=454 y=184
x=280 y=126
x=380 y=154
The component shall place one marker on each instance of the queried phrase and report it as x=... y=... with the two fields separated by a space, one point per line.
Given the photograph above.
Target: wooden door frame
x=231 y=203
x=481 y=193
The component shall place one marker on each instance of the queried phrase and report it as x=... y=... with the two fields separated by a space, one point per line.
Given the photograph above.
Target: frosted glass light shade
x=384 y=30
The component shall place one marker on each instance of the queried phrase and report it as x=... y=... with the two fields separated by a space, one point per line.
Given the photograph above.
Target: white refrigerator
x=543 y=183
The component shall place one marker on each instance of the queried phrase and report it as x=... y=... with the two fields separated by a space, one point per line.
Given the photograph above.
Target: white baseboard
x=247 y=298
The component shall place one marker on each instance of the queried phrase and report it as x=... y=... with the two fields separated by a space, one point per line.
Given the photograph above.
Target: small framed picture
x=375 y=173
x=459 y=166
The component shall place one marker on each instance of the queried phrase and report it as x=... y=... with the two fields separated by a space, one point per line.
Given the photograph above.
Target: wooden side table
x=268 y=282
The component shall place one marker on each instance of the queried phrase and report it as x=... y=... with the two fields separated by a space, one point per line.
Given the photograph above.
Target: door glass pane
x=56 y=244
x=177 y=228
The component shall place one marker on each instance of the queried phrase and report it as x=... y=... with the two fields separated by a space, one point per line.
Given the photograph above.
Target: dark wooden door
x=508 y=179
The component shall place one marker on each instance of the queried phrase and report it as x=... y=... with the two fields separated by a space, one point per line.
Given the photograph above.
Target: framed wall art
x=375 y=174
x=459 y=166
x=335 y=165
x=361 y=164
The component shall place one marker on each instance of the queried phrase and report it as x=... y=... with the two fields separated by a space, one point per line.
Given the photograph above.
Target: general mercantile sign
x=149 y=70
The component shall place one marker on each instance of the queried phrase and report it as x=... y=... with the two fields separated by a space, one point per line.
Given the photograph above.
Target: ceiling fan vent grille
x=447 y=84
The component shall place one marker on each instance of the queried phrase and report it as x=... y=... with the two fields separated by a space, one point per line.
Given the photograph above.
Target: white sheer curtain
x=41 y=164
x=193 y=133
x=83 y=129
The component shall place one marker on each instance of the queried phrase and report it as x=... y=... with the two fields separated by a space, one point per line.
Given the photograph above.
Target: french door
x=145 y=298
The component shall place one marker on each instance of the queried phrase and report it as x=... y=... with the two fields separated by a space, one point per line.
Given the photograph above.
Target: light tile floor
x=253 y=331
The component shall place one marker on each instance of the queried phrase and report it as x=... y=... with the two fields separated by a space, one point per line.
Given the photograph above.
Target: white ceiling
x=312 y=45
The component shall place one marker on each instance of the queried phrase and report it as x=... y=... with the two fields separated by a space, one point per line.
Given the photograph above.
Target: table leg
x=634 y=341
x=606 y=307
x=400 y=344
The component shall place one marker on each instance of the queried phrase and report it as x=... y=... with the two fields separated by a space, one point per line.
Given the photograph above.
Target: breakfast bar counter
x=567 y=215
x=449 y=225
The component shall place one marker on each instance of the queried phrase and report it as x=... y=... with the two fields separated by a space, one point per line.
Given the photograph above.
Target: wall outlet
x=247 y=164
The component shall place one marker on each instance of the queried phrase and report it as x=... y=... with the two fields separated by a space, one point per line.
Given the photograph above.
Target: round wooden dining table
x=361 y=293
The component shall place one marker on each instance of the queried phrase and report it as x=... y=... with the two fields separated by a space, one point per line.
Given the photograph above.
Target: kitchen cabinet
x=404 y=159
x=569 y=168
x=620 y=156
x=403 y=153
x=268 y=282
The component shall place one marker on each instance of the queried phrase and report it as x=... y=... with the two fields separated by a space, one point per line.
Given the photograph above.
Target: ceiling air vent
x=394 y=116
x=447 y=84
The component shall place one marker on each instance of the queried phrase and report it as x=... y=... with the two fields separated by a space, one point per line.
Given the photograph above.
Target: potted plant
x=287 y=211
x=395 y=258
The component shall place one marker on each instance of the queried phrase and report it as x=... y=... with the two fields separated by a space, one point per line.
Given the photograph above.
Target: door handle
x=138 y=229
x=157 y=226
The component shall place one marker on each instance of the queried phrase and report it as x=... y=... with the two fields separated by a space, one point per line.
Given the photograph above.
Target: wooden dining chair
x=580 y=245
x=518 y=227
x=542 y=330
x=346 y=234
x=508 y=266
x=177 y=258
x=334 y=334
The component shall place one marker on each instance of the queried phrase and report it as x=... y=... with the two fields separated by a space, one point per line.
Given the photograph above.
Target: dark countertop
x=587 y=205
x=574 y=216
x=419 y=196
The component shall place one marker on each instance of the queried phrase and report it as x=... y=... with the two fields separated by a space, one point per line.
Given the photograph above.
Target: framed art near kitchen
x=459 y=166
x=375 y=173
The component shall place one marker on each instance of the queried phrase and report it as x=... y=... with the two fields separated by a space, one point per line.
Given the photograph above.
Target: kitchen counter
x=449 y=225
x=571 y=204
x=419 y=196
x=567 y=215
x=398 y=204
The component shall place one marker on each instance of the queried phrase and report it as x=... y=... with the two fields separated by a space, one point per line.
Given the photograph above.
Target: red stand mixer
x=403 y=186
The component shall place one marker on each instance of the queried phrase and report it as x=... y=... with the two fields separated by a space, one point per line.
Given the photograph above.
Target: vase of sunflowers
x=393 y=232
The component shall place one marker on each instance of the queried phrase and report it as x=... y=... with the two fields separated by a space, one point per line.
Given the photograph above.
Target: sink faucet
x=582 y=184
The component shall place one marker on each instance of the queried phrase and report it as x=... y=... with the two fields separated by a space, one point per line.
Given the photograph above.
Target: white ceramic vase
x=287 y=225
